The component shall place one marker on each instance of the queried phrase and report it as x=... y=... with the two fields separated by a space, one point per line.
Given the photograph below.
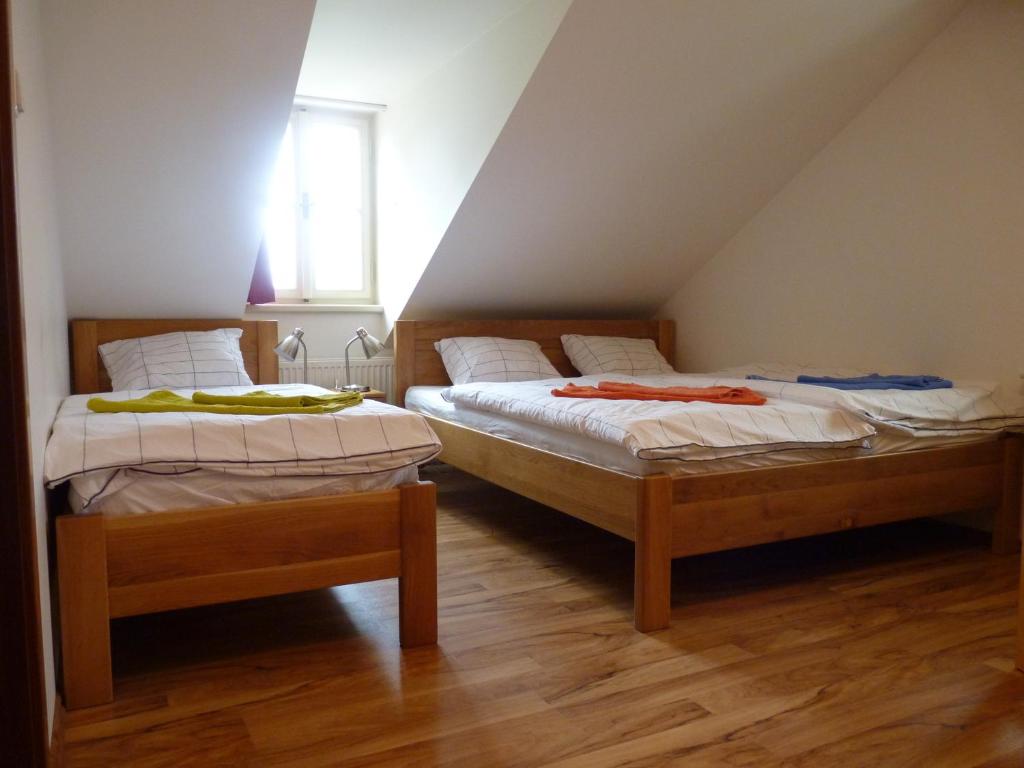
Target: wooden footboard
x=129 y=565
x=739 y=509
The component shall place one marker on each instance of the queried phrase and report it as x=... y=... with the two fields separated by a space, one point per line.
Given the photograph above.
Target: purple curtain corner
x=261 y=289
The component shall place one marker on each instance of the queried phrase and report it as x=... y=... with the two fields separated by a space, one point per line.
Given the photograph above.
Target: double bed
x=672 y=508
x=166 y=528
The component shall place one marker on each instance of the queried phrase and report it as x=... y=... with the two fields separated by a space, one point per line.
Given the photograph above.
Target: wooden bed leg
x=1007 y=523
x=417 y=586
x=84 y=610
x=652 y=581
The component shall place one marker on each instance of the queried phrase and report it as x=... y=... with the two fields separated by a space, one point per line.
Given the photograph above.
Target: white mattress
x=142 y=493
x=429 y=401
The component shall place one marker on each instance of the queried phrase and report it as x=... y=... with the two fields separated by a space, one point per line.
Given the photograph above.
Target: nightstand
x=373 y=394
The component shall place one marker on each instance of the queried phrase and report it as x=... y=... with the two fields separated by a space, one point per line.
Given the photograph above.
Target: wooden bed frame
x=112 y=566
x=669 y=517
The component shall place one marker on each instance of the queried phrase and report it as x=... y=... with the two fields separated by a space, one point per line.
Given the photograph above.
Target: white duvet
x=967 y=408
x=98 y=451
x=796 y=416
x=671 y=430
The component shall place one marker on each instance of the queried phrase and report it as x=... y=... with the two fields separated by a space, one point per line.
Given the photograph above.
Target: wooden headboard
x=259 y=337
x=418 y=363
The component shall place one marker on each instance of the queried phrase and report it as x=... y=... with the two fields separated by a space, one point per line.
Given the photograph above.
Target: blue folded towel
x=873 y=381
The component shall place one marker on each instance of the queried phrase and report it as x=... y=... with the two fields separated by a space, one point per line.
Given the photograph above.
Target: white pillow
x=487 y=358
x=185 y=359
x=611 y=354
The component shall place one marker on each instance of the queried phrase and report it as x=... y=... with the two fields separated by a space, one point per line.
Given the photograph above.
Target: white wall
x=42 y=283
x=168 y=116
x=900 y=247
x=326 y=333
x=650 y=132
x=434 y=137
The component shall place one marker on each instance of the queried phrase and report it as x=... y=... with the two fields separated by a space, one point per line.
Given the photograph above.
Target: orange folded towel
x=615 y=390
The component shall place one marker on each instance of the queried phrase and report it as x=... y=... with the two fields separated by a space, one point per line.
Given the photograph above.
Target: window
x=319 y=219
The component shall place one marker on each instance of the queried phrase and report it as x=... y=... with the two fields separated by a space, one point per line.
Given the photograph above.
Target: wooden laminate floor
x=883 y=647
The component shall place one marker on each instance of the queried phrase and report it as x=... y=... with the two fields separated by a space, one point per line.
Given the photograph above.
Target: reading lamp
x=371 y=346
x=288 y=350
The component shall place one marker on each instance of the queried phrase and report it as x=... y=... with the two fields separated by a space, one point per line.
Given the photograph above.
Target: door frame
x=23 y=716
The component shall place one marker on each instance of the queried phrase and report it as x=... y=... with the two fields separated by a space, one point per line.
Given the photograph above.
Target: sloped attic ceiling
x=450 y=73
x=167 y=118
x=436 y=134
x=374 y=50
x=648 y=135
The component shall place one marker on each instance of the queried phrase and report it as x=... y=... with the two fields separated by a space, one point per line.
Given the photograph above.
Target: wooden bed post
x=652 y=579
x=1006 y=525
x=417 y=585
x=1020 y=616
x=405 y=359
x=667 y=340
x=84 y=610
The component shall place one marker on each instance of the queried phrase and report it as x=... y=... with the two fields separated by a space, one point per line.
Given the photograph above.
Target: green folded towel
x=270 y=400
x=251 y=404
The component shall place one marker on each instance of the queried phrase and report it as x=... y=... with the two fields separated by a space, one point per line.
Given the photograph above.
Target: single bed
x=111 y=565
x=687 y=513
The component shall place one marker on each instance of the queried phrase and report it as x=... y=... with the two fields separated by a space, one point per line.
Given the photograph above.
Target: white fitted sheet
x=429 y=401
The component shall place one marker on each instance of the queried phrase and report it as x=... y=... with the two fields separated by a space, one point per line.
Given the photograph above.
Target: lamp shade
x=289 y=347
x=371 y=344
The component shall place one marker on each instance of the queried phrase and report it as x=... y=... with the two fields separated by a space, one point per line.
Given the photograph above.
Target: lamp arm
x=348 y=374
x=305 y=363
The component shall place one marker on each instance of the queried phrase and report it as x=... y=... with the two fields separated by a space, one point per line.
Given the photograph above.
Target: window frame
x=305 y=292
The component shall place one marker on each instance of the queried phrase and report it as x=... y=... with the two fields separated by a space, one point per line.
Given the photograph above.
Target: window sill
x=368 y=309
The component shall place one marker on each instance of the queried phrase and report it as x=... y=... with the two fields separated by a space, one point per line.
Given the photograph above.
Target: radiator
x=376 y=373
